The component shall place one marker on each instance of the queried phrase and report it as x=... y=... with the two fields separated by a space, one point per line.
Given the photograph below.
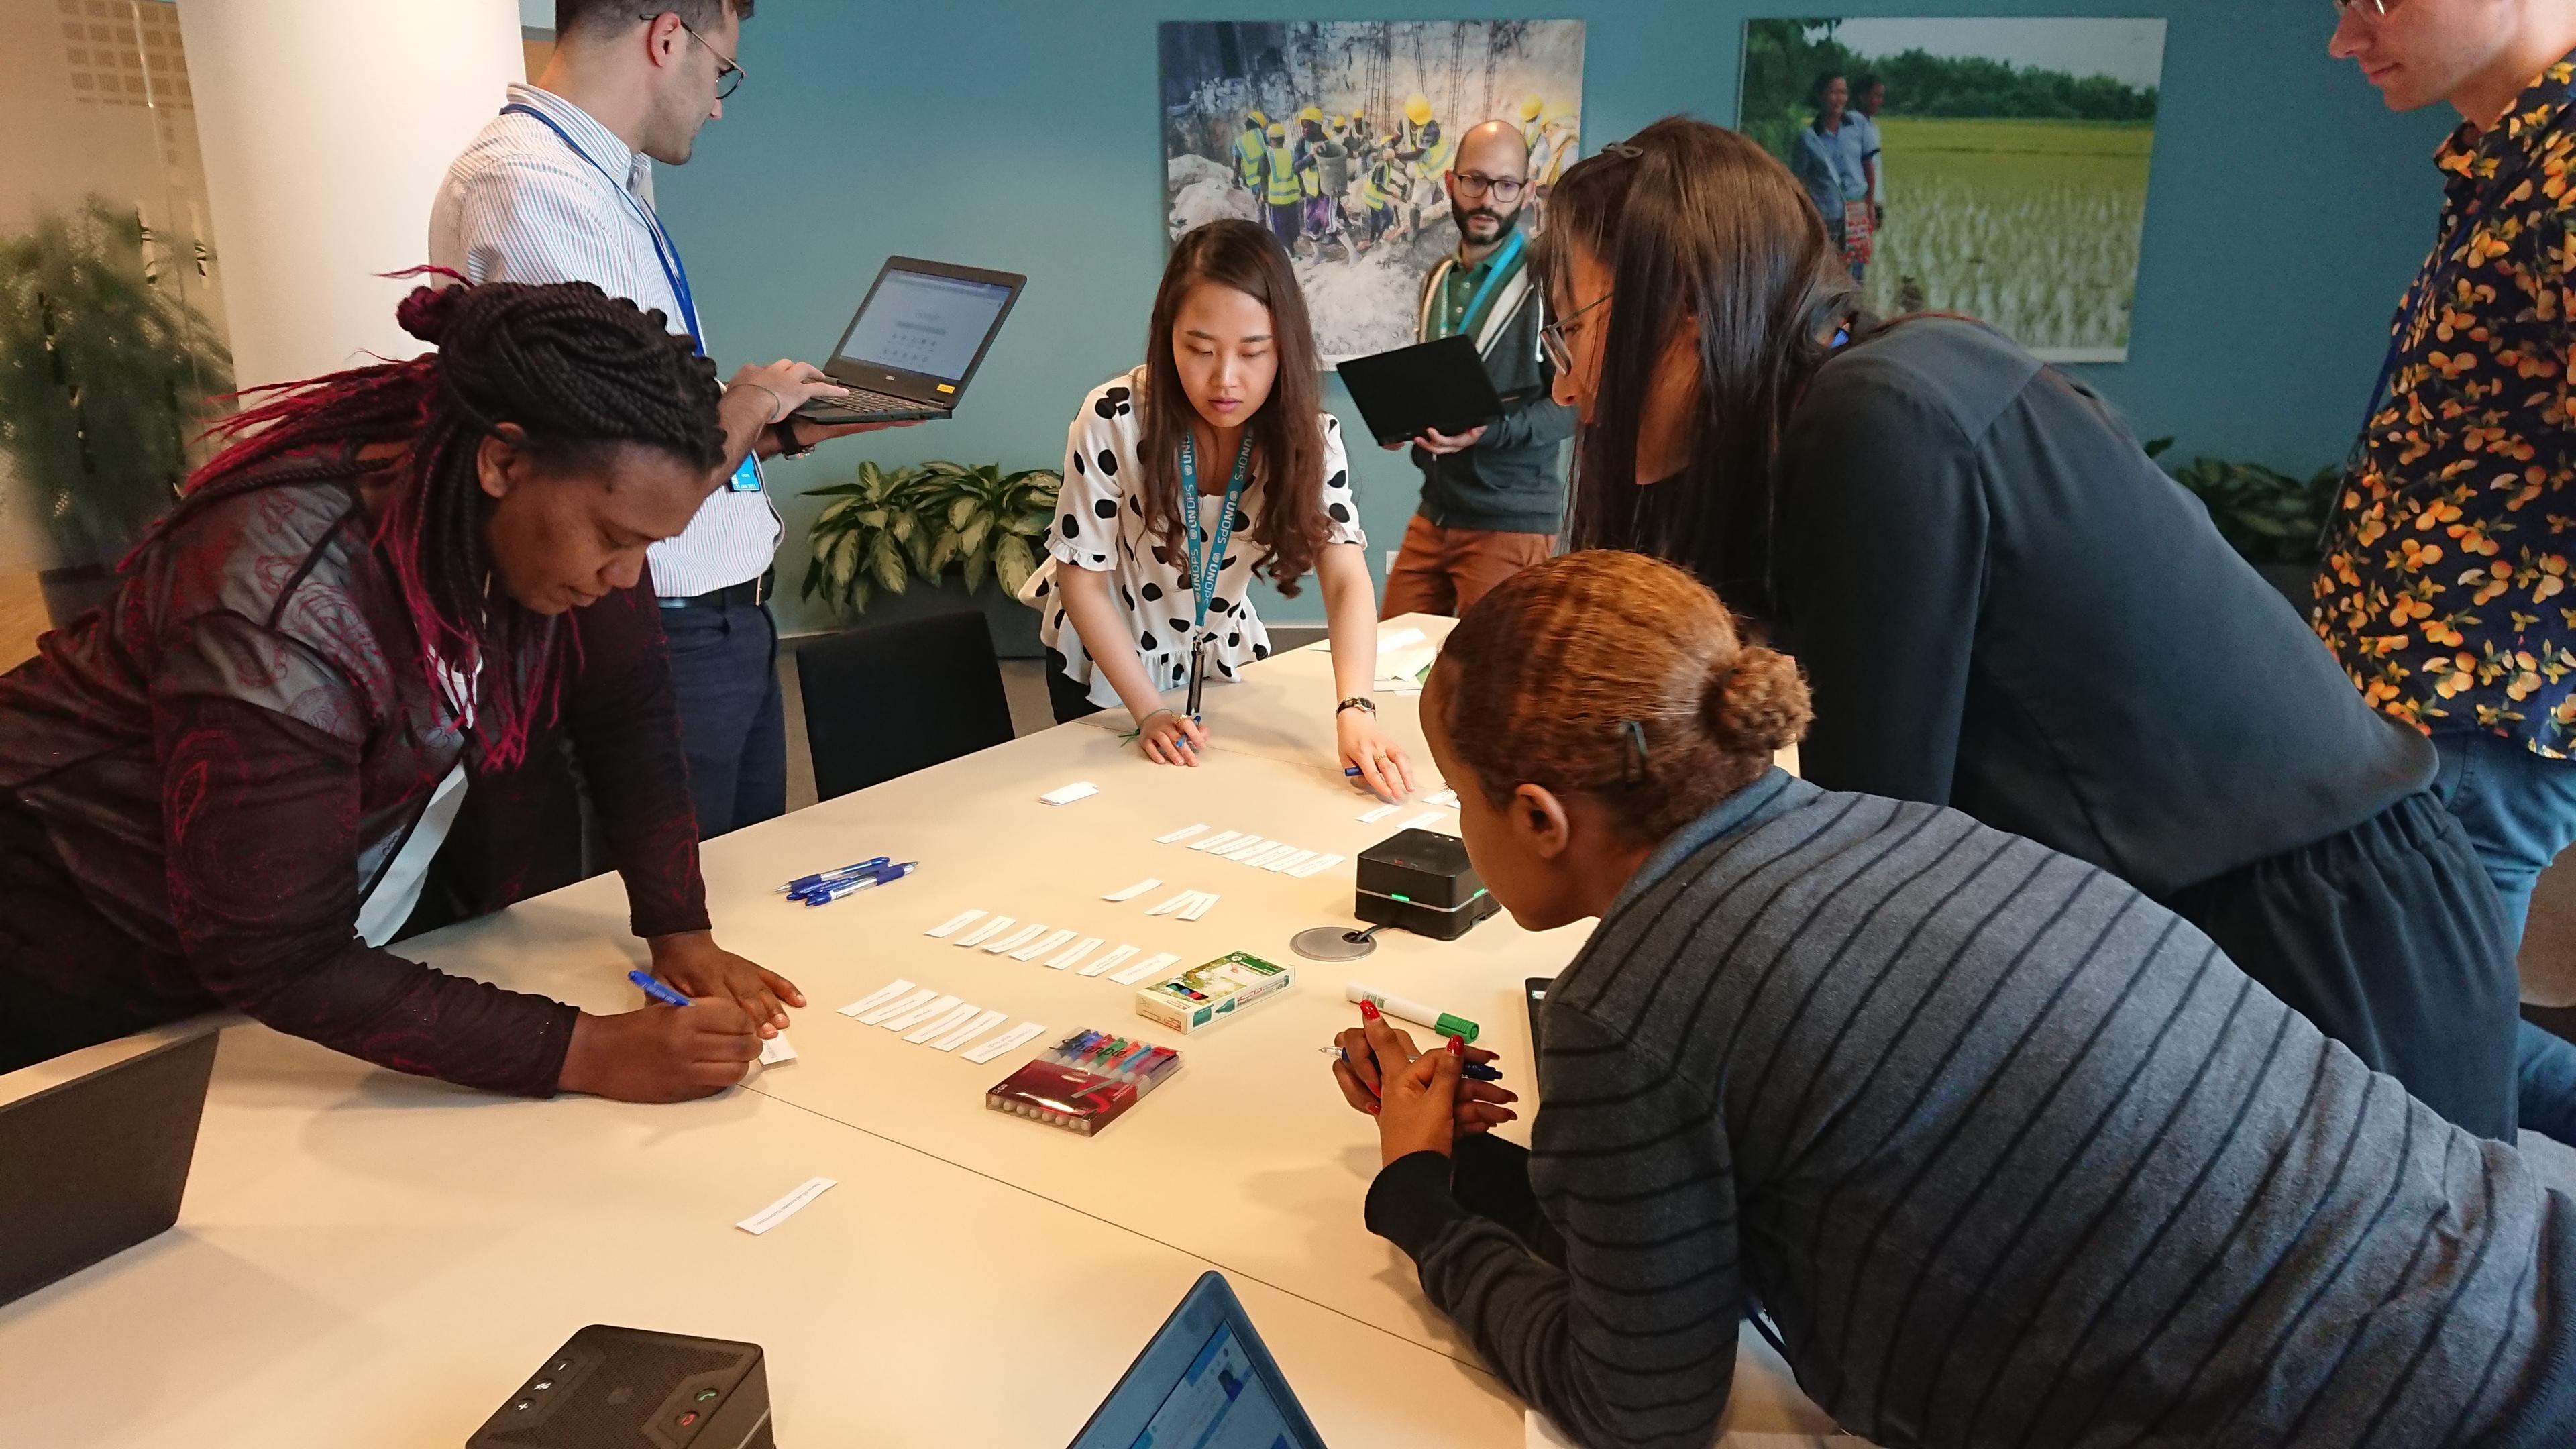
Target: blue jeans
x=2520 y=812
x=733 y=720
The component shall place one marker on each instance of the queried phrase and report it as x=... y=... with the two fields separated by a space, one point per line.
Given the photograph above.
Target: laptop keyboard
x=866 y=404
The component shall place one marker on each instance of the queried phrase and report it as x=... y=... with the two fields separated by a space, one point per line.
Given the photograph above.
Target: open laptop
x=915 y=342
x=1431 y=387
x=1205 y=1382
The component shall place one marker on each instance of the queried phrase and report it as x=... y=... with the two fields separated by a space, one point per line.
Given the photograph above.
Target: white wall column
x=326 y=127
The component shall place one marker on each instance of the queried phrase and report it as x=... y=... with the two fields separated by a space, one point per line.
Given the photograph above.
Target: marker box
x=1207 y=994
x=1080 y=1091
x=1421 y=881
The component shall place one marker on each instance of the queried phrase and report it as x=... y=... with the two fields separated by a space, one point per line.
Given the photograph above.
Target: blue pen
x=645 y=982
x=1351 y=771
x=884 y=875
x=804 y=883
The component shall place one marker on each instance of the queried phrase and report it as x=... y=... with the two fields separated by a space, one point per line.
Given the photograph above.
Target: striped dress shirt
x=2010 y=1155
x=519 y=206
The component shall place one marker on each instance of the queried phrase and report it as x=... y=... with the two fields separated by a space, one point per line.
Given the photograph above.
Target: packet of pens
x=1084 y=1082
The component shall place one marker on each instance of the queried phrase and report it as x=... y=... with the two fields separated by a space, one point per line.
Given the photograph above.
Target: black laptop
x=1436 y=387
x=915 y=342
x=1205 y=1382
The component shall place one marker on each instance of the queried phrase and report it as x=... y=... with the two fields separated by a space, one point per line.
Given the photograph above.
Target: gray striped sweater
x=2008 y=1154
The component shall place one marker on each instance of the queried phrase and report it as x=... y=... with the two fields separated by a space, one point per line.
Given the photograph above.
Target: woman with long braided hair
x=225 y=787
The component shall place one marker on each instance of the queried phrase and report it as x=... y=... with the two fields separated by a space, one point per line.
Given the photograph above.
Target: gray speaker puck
x=1333 y=943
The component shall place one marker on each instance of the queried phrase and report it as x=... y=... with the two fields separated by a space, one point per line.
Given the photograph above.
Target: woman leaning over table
x=1223 y=413
x=224 y=788
x=2004 y=606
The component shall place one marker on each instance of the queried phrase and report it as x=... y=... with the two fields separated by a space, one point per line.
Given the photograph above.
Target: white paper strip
x=1160 y=961
x=1261 y=856
x=942 y=1024
x=1071 y=956
x=1290 y=862
x=1035 y=949
x=877 y=1014
x=912 y=1016
x=878 y=997
x=1206 y=903
x=1067 y=794
x=1220 y=840
x=1317 y=866
x=1445 y=799
x=1017 y=939
x=1007 y=1040
x=1132 y=892
x=952 y=925
x=1174 y=904
x=983 y=1023
x=776 y=1050
x=985 y=932
x=786 y=1207
x=1252 y=847
x=1177 y=836
x=1371 y=817
x=1109 y=962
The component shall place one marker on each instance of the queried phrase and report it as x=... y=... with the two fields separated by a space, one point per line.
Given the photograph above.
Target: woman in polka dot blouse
x=1120 y=607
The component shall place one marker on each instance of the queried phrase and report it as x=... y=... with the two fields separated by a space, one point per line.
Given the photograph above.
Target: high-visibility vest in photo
x=1284 y=188
x=1248 y=146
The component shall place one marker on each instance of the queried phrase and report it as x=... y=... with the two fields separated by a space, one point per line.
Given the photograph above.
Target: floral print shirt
x=2445 y=587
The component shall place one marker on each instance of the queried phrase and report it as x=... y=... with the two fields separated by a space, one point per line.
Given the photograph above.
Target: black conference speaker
x=628 y=1388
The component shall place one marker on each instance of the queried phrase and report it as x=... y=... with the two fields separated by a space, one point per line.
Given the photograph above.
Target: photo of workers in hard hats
x=1336 y=136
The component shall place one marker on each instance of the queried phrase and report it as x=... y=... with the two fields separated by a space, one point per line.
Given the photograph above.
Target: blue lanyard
x=664 y=251
x=1203 y=568
x=1502 y=266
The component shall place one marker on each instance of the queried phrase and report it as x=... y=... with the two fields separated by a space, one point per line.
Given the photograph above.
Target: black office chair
x=895 y=698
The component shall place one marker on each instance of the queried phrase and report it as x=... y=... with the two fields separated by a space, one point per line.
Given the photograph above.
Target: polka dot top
x=1101 y=527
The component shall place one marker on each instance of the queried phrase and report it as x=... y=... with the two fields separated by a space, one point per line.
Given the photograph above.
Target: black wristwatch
x=1359 y=702
x=784 y=430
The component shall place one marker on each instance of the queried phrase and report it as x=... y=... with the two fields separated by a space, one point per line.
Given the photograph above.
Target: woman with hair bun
x=225 y=788
x=2001 y=1151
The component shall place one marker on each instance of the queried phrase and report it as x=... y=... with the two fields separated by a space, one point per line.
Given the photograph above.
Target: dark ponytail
x=577 y=371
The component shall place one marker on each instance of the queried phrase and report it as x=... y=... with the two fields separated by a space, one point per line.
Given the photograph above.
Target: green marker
x=1443 y=1022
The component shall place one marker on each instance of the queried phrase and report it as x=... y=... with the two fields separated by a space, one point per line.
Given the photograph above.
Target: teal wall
x=2287 y=208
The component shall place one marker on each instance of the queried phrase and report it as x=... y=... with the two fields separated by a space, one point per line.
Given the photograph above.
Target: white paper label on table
x=786 y=1207
x=878 y=997
x=1160 y=960
x=985 y=932
x=983 y=1022
x=1290 y=862
x=1220 y=840
x=1371 y=817
x=942 y=1024
x=776 y=1050
x=1260 y=858
x=1109 y=962
x=1174 y=904
x=1177 y=836
x=1133 y=891
x=1072 y=955
x=1205 y=904
x=1427 y=820
x=1007 y=1040
x=1017 y=939
x=1246 y=852
x=1445 y=799
x=1317 y=866
x=879 y=1013
x=912 y=1016
x=1035 y=949
x=952 y=925
x=1066 y=795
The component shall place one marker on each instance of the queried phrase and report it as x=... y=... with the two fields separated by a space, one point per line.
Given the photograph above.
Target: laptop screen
x=1219 y=1403
x=921 y=323
x=1205 y=1382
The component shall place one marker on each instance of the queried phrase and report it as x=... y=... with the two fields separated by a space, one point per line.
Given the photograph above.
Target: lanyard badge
x=1205 y=567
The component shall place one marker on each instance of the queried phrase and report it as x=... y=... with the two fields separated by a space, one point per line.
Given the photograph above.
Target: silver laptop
x=915 y=342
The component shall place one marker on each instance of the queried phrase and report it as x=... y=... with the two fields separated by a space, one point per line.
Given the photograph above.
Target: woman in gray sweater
x=2003 y=1152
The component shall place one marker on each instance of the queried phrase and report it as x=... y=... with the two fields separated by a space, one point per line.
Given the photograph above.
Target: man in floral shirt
x=2445 y=590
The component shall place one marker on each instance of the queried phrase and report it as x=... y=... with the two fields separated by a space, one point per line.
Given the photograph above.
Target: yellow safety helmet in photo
x=1531 y=105
x=1560 y=112
x=1255 y=119
x=1278 y=131
x=1314 y=114
x=1417 y=109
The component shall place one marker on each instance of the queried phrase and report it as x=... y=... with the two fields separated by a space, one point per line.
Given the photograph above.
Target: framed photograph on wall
x=1335 y=135
x=1994 y=167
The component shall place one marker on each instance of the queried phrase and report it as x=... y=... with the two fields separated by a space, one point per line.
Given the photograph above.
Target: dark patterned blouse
x=200 y=782
x=2444 y=591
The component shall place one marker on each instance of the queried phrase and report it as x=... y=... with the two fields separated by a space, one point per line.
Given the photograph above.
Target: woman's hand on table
x=1381 y=763
x=1374 y=1050
x=696 y=966
x=1169 y=737
x=661 y=1053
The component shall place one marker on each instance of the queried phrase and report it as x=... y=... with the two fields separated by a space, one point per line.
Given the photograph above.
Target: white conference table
x=399 y=1252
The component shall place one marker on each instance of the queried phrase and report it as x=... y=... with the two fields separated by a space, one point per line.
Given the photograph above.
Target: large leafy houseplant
x=885 y=527
x=106 y=376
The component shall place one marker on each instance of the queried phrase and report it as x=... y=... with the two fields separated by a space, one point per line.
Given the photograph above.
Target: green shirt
x=1458 y=291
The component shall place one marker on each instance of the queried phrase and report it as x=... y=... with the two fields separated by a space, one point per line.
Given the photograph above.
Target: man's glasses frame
x=1505 y=189
x=729 y=75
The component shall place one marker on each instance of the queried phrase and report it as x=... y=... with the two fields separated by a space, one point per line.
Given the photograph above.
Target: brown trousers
x=1446 y=570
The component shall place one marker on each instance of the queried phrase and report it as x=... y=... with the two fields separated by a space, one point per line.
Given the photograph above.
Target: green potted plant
x=106 y=378
x=953 y=527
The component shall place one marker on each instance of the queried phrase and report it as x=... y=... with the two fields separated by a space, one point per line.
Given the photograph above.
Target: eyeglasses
x=2372 y=8
x=1505 y=189
x=729 y=76
x=1552 y=336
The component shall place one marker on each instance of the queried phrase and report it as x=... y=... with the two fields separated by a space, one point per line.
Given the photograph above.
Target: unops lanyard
x=1205 y=567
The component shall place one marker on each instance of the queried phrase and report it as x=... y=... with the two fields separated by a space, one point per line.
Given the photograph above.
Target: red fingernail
x=1368 y=1009
x=1457 y=1046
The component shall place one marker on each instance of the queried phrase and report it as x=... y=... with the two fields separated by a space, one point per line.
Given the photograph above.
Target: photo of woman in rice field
x=1996 y=168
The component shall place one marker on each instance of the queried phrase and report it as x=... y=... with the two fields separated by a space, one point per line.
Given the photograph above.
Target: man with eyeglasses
x=1492 y=498
x=559 y=188
x=2446 y=590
